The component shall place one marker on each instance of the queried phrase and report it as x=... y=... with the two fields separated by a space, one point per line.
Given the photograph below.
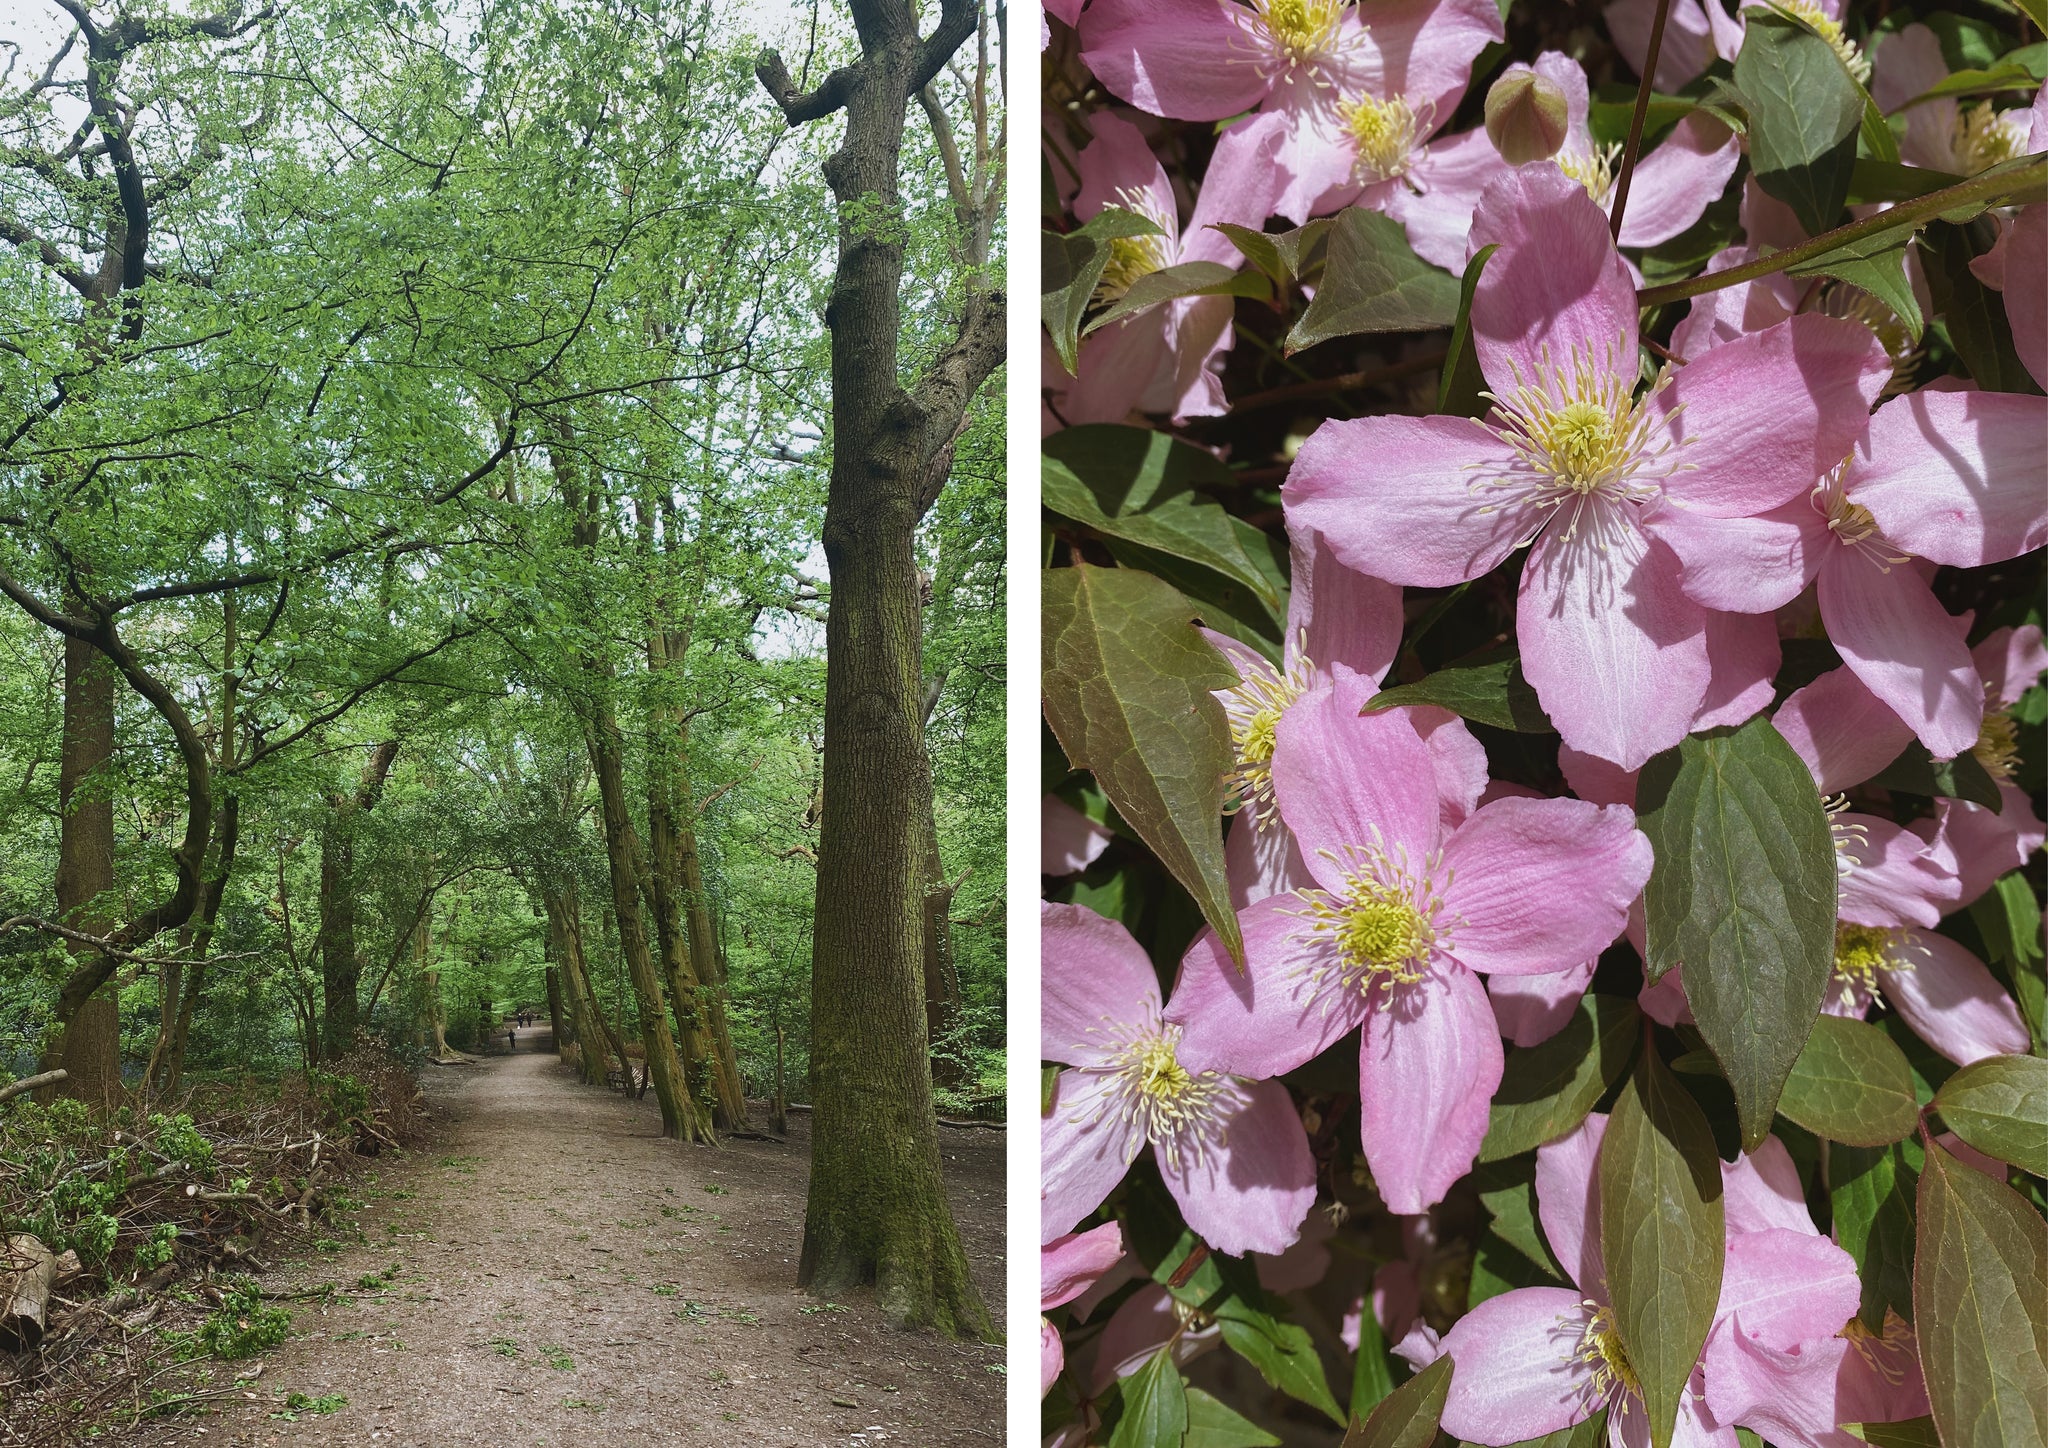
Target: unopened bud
x=1526 y=117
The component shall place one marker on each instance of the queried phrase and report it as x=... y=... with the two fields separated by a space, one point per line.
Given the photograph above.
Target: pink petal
x=1687 y=47
x=1429 y=1062
x=1557 y=289
x=1118 y=366
x=1844 y=732
x=1894 y=876
x=1422 y=50
x=2011 y=661
x=1240 y=188
x=1530 y=1009
x=1879 y=1380
x=1744 y=565
x=1304 y=1264
x=1516 y=1377
x=1593 y=778
x=1180 y=58
x=1441 y=190
x=1678 y=180
x=1280 y=1012
x=1396 y=1299
x=1957 y=477
x=1094 y=976
x=1338 y=617
x=2026 y=293
x=1723 y=315
x=1904 y=647
x=1970 y=1157
x=1952 y=1001
x=1787 y=1395
x=1346 y=780
x=1743 y=654
x=1978 y=846
x=1539 y=886
x=1616 y=652
x=1251 y=1188
x=1069 y=841
x=1262 y=860
x=1052 y=1356
x=1458 y=758
x=1146 y=1322
x=1085 y=1147
x=1664 y=1002
x=1394 y=498
x=1068 y=1266
x=1743 y=456
x=1760 y=1191
x=1787 y=1289
x=1568 y=1202
x=1118 y=166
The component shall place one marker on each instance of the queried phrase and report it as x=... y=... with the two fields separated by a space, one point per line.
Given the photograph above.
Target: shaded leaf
x=1285 y=255
x=1212 y=1425
x=1974 y=314
x=2000 y=1106
x=1155 y=1406
x=1127 y=684
x=2007 y=75
x=1372 y=1377
x=1547 y=1089
x=1457 y=394
x=1851 y=1084
x=1224 y=604
x=1374 y=282
x=1909 y=1433
x=1487 y=687
x=1979 y=1308
x=1070 y=267
x=1507 y=1189
x=1189 y=279
x=1891 y=181
x=1408 y=1418
x=1805 y=112
x=1915 y=771
x=1743 y=895
x=1662 y=1234
x=1871 y=1191
x=1877 y=264
x=1587 y=1433
x=1282 y=1352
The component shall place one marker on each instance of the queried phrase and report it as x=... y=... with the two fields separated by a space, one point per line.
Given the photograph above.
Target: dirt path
x=560 y=1274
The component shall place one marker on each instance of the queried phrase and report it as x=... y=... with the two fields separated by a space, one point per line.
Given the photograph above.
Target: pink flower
x=1575 y=461
x=1402 y=913
x=1960 y=137
x=2018 y=264
x=1233 y=1153
x=1067 y=1267
x=1068 y=841
x=1695 y=33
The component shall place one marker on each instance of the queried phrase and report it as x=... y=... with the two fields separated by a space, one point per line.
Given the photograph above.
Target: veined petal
x=2026 y=292
x=1443 y=189
x=1281 y=1011
x=1787 y=1289
x=1844 y=732
x=1679 y=179
x=1893 y=877
x=1516 y=1376
x=1068 y=1266
x=1978 y=845
x=1262 y=860
x=1687 y=47
x=1118 y=168
x=1186 y=59
x=1460 y=761
x=1788 y=1396
x=1760 y=1191
x=1743 y=655
x=1068 y=840
x=1052 y=1356
x=1429 y=1063
x=1952 y=1001
x=1337 y=616
x=1905 y=648
x=1097 y=980
x=1540 y=885
x=1530 y=1009
x=2011 y=660
x=1240 y=188
x=1347 y=781
x=1731 y=312
x=1744 y=565
x=1568 y=1202
x=1422 y=50
x=1764 y=416
x=1250 y=1190
x=1085 y=1147
x=1614 y=648
x=1394 y=497
x=1957 y=477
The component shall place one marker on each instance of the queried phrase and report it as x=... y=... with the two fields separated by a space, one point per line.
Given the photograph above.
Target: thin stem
x=1909 y=215
x=1635 y=122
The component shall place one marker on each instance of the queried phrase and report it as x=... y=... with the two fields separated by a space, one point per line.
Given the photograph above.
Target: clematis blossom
x=1575 y=462
x=1067 y=1267
x=2018 y=264
x=1233 y=1152
x=1402 y=914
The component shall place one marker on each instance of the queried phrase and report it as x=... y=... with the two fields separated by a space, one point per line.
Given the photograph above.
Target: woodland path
x=566 y=1276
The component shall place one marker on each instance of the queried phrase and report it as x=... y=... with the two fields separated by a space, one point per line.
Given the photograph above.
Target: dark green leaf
x=1488 y=687
x=1662 y=1234
x=1140 y=485
x=1374 y=282
x=1911 y=1433
x=1587 y=1433
x=2000 y=78
x=1507 y=1189
x=1877 y=264
x=1155 y=1406
x=1070 y=268
x=1917 y=772
x=1851 y=1084
x=1458 y=392
x=2000 y=1106
x=1283 y=256
x=1048 y=1080
x=1547 y=1089
x=1890 y=181
x=1805 y=111
x=1978 y=1307
x=1223 y=603
x=1189 y=279
x=1409 y=1416
x=1872 y=1195
x=1743 y=895
x=1212 y=1425
x=1282 y=1352
x=1372 y=1377
x=1127 y=689
x=1975 y=315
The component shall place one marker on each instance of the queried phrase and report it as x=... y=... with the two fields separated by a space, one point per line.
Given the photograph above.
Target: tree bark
x=555 y=1021
x=340 y=969
x=88 y=1044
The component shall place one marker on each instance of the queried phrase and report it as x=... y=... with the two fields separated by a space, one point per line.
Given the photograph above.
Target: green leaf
x=1662 y=1234
x=1871 y=1190
x=1212 y=1425
x=1743 y=895
x=1372 y=1378
x=1458 y=393
x=1155 y=1406
x=1224 y=604
x=1127 y=689
x=2005 y=76
x=1374 y=282
x=1890 y=181
x=1070 y=268
x=1964 y=777
x=1908 y=1433
x=1285 y=255
x=1978 y=327
x=1547 y=1089
x=1140 y=485
x=1805 y=112
x=2000 y=1106
x=1978 y=1307
x=1877 y=264
x=1410 y=1415
x=1587 y=1433
x=1048 y=1083
x=1507 y=1189
x=1282 y=1352
x=1487 y=686
x=1851 y=1084
x=1189 y=279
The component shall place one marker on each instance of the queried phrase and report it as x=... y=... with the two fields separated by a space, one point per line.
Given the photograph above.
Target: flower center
x=1888 y=1353
x=1132 y=257
x=1381 y=927
x=1988 y=138
x=1830 y=30
x=1386 y=133
x=1998 y=744
x=1860 y=952
x=1592 y=169
x=1851 y=522
x=1254 y=708
x=1174 y=1107
x=1601 y=1352
x=1847 y=838
x=1298 y=34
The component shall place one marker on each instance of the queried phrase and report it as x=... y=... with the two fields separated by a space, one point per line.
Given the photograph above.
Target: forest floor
x=549 y=1270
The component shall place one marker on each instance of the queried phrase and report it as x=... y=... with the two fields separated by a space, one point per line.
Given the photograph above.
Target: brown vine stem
x=1909 y=215
x=1635 y=121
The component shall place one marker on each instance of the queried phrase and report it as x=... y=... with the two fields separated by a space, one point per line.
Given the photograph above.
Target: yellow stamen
x=1998 y=745
x=1303 y=33
x=1133 y=257
x=1592 y=169
x=1386 y=133
x=1382 y=927
x=1852 y=524
x=1830 y=30
x=1254 y=708
x=1176 y=1109
x=1988 y=138
x=1860 y=952
x=1601 y=1352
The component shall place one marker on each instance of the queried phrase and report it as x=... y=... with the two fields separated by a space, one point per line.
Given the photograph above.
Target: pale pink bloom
x=1959 y=136
x=1954 y=477
x=1068 y=841
x=1947 y=995
x=1842 y=731
x=1575 y=461
x=1402 y=914
x=1067 y=1267
x=1674 y=182
x=1694 y=33
x=2018 y=264
x=1232 y=1152
x=1149 y=1319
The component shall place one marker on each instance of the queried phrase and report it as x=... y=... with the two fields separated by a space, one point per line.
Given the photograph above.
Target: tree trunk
x=172 y=1068
x=555 y=1022
x=942 y=1000
x=437 y=1014
x=340 y=968
x=88 y=1040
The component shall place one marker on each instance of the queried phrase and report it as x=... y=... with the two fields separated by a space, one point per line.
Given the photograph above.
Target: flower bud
x=1526 y=117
